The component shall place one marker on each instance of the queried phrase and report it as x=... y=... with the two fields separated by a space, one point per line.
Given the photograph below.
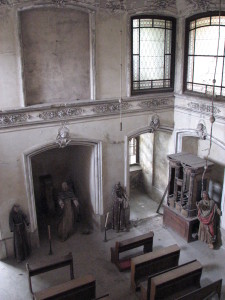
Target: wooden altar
x=184 y=191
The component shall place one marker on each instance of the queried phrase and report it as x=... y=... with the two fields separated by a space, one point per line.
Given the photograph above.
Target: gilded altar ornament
x=63 y=136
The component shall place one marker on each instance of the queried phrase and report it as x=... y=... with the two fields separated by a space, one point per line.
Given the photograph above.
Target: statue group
x=208 y=213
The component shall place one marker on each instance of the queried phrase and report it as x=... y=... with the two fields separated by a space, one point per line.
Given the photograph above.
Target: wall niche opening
x=75 y=165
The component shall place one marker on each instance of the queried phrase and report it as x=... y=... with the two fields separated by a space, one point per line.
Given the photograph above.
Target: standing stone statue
x=17 y=223
x=69 y=210
x=121 y=208
x=207 y=213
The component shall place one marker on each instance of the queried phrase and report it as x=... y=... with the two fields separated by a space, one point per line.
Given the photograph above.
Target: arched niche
x=92 y=187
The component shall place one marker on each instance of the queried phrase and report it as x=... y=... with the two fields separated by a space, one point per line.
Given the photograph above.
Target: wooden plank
x=206 y=291
x=146 y=285
x=176 y=281
x=80 y=286
x=145 y=240
x=152 y=263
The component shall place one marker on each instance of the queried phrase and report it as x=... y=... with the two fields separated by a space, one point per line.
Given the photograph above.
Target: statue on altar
x=208 y=212
x=121 y=208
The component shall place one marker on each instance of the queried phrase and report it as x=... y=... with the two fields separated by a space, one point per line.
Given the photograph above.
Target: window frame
x=186 y=49
x=173 y=49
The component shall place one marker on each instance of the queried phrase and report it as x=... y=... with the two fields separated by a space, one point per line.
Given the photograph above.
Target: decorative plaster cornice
x=154 y=103
x=13 y=119
x=58 y=114
x=73 y=111
x=200 y=107
x=111 y=108
x=196 y=5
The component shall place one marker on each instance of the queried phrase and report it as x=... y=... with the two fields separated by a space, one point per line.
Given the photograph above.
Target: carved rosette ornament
x=111 y=108
x=203 y=108
x=153 y=103
x=13 y=119
x=63 y=136
x=201 y=131
x=155 y=123
x=61 y=113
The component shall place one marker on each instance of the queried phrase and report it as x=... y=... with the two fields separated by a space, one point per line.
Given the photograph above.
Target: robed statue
x=208 y=212
x=69 y=210
x=17 y=223
x=121 y=208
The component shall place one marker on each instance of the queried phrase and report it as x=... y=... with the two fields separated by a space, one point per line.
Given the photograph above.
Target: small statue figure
x=207 y=210
x=69 y=210
x=17 y=223
x=121 y=208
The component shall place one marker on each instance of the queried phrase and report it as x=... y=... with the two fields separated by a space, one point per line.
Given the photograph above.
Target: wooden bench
x=172 y=283
x=145 y=240
x=154 y=262
x=58 y=263
x=79 y=289
x=203 y=292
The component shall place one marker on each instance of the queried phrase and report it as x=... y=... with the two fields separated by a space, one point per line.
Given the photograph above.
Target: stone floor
x=92 y=256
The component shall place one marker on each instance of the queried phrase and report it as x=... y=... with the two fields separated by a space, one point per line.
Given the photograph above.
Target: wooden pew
x=145 y=240
x=58 y=263
x=203 y=292
x=172 y=283
x=154 y=262
x=79 y=289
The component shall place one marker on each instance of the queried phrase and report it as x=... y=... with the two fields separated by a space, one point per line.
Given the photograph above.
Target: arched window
x=201 y=59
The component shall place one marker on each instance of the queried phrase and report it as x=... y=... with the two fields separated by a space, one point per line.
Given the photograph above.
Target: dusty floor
x=92 y=256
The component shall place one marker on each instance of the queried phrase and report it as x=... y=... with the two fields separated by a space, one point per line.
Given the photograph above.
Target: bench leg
x=148 y=248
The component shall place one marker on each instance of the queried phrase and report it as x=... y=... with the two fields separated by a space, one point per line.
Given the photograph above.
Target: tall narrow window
x=153 y=48
x=205 y=38
x=134 y=150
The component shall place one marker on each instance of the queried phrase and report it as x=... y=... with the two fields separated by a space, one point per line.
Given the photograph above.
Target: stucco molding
x=13 y=119
x=154 y=103
x=201 y=107
x=85 y=110
x=59 y=114
x=111 y=108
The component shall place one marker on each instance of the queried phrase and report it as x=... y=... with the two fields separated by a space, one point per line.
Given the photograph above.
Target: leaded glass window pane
x=152 y=54
x=204 y=63
x=146 y=23
x=136 y=41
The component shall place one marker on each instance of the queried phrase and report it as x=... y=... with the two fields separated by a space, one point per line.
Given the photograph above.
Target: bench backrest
x=176 y=280
x=153 y=262
x=79 y=289
x=145 y=240
x=206 y=291
x=66 y=260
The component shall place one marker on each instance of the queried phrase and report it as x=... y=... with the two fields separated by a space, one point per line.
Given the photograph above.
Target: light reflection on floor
x=141 y=205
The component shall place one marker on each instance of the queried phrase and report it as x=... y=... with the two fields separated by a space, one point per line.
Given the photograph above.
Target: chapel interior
x=99 y=92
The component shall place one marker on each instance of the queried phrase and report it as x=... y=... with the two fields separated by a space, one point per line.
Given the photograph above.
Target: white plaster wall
x=146 y=160
x=55 y=52
x=10 y=85
x=108 y=54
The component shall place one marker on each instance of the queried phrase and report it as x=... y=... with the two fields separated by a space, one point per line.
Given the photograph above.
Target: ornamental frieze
x=111 y=108
x=13 y=119
x=61 y=113
x=199 y=107
x=154 y=103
